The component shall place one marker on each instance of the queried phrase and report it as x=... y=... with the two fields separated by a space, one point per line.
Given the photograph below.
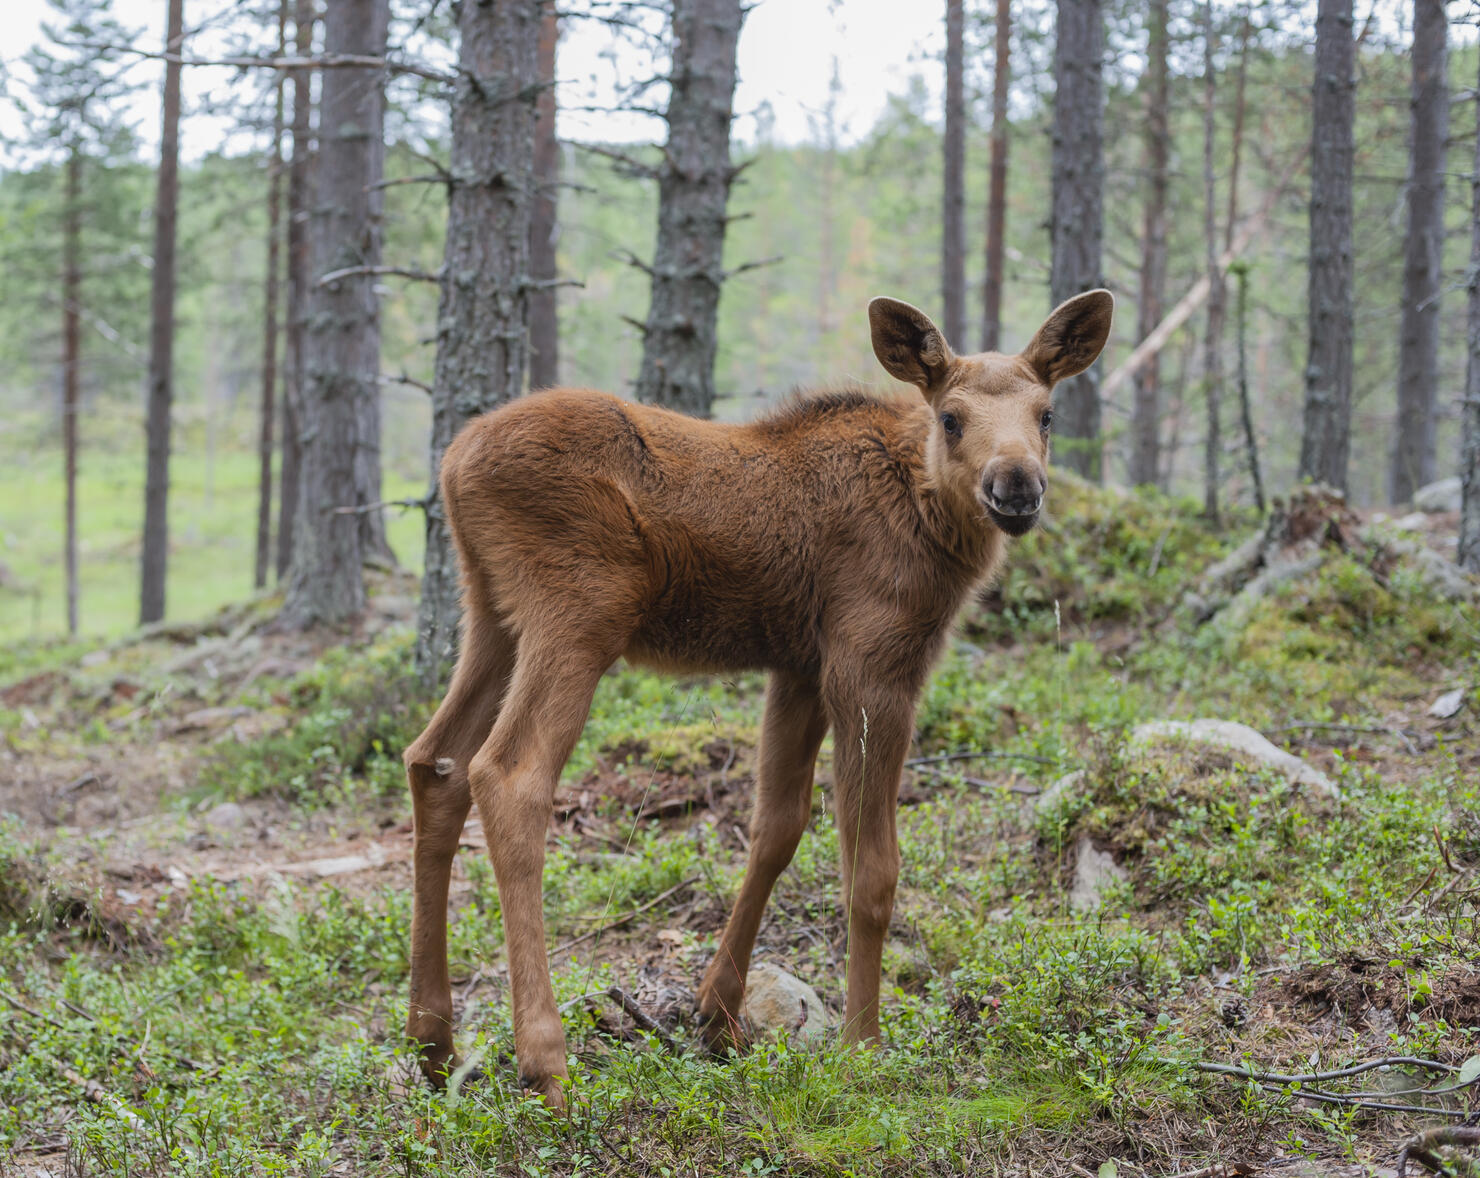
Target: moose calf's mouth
x=1015 y=517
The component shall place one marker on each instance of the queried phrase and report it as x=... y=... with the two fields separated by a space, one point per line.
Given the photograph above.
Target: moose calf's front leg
x=791 y=735
x=871 y=735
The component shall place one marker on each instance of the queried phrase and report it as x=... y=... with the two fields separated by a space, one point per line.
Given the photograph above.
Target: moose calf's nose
x=1015 y=489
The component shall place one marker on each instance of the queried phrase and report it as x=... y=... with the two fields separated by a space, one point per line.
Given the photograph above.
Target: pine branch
x=393 y=271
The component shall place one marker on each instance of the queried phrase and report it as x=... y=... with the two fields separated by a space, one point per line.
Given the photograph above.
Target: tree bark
x=1469 y=459
x=339 y=414
x=1416 y=435
x=481 y=327
x=953 y=200
x=1325 y=440
x=693 y=191
x=154 y=559
x=299 y=197
x=997 y=185
x=1246 y=411
x=268 y=409
x=1146 y=405
x=1217 y=291
x=544 y=323
x=71 y=358
x=1077 y=222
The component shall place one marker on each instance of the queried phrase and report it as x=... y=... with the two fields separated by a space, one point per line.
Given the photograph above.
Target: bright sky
x=786 y=54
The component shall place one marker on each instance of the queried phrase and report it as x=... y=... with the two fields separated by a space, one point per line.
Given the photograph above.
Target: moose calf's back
x=703 y=546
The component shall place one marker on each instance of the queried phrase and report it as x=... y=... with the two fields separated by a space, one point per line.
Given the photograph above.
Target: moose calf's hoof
x=551 y=1088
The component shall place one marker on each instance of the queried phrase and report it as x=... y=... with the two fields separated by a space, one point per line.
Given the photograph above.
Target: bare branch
x=403 y=378
x=366 y=508
x=756 y=265
x=394 y=271
x=327 y=61
x=629 y=164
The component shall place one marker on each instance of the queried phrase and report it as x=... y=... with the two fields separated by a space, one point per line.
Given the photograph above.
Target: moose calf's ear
x=908 y=345
x=1072 y=336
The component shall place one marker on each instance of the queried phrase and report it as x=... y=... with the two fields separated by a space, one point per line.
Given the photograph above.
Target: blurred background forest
x=818 y=222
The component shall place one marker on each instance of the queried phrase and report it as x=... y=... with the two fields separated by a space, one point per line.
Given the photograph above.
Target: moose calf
x=830 y=543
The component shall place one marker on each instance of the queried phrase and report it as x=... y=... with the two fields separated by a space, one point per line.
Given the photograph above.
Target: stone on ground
x=778 y=1001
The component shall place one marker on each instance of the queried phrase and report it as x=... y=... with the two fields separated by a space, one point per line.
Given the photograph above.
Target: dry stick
x=374 y=271
x=1197 y=294
x=1228 y=1069
x=916 y=762
x=980 y=782
x=327 y=61
x=626 y=917
x=1424 y=1147
x=1217 y=1170
x=641 y=1017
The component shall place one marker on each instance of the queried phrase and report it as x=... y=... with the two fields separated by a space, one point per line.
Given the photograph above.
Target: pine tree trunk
x=339 y=414
x=482 y=314
x=154 y=558
x=268 y=408
x=544 y=323
x=299 y=184
x=1469 y=458
x=1077 y=222
x=953 y=202
x=1416 y=440
x=1217 y=291
x=694 y=180
x=1325 y=440
x=1246 y=411
x=1146 y=404
x=71 y=358
x=997 y=185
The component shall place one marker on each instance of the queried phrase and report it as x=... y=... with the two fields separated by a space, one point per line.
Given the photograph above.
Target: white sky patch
x=786 y=54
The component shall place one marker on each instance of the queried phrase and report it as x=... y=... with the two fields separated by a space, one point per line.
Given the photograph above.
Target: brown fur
x=831 y=543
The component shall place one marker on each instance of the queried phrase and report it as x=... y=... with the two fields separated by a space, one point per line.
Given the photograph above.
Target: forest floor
x=205 y=889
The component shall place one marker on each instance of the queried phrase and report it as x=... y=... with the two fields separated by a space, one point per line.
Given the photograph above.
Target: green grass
x=213 y=525
x=1256 y=923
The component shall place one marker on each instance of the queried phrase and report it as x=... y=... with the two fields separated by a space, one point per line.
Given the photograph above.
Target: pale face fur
x=987 y=451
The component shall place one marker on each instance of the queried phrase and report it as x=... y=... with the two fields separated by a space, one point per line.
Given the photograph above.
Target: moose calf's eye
x=1045 y=423
x=949 y=423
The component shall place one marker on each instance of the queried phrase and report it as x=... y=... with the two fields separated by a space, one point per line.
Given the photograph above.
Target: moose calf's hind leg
x=793 y=729
x=513 y=778
x=437 y=773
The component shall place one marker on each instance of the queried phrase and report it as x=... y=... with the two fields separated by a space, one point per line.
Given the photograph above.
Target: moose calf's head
x=988 y=447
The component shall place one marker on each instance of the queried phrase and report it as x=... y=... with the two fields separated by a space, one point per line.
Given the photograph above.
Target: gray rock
x=1448 y=704
x=1095 y=872
x=1443 y=495
x=1059 y=790
x=226 y=816
x=1253 y=749
x=778 y=1001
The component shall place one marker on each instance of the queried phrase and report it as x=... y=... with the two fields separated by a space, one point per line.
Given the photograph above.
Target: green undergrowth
x=1100 y=559
x=253 y=1027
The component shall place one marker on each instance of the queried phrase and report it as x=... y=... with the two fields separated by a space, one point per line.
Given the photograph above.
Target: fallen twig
x=980 y=782
x=1390 y=1061
x=95 y=1093
x=1425 y=1148
x=941 y=758
x=641 y=1017
x=618 y=921
x=1278 y=1081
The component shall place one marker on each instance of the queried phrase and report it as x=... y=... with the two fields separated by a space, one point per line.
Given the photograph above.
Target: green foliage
x=346 y=722
x=1100 y=560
